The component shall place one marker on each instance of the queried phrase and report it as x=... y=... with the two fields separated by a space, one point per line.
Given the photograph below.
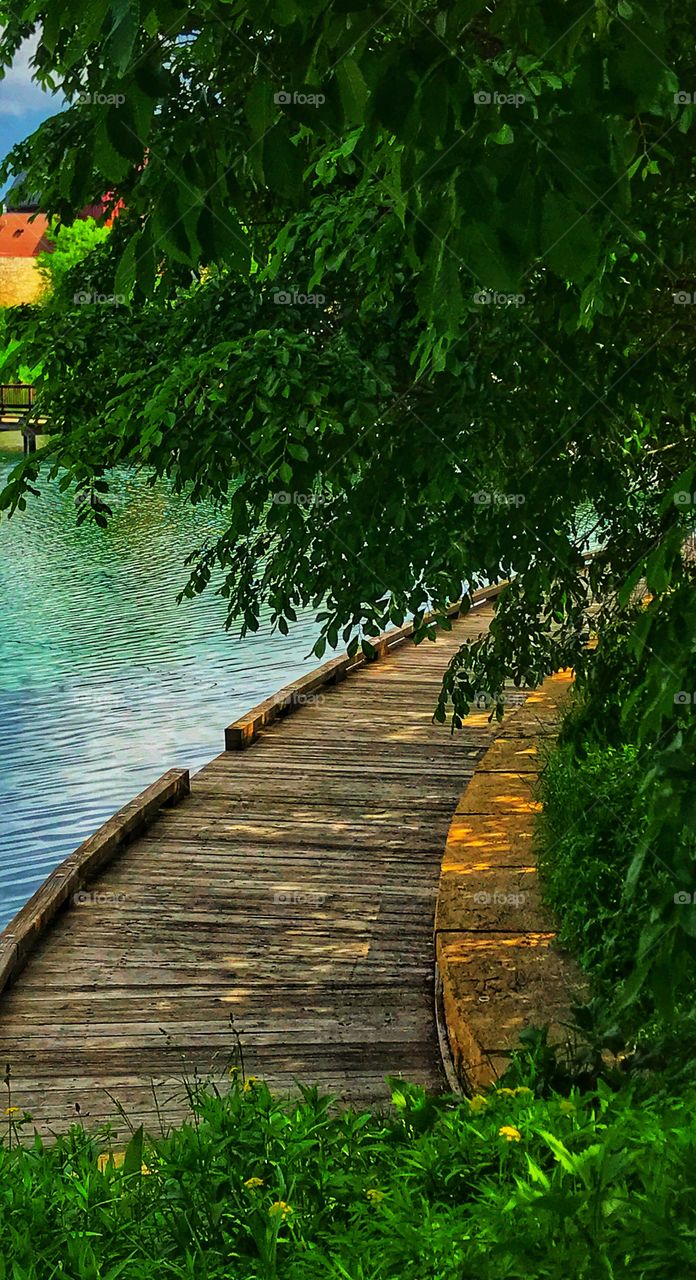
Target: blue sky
x=23 y=105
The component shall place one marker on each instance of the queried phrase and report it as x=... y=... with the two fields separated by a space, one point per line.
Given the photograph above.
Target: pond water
x=105 y=682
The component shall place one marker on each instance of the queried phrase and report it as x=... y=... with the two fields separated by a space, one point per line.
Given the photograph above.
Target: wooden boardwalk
x=294 y=889
x=16 y=403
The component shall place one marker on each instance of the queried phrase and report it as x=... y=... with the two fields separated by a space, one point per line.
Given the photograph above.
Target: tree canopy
x=406 y=290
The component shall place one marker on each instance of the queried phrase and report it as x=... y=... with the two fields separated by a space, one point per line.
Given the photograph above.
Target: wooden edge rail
x=16 y=421
x=244 y=731
x=24 y=931
x=497 y=968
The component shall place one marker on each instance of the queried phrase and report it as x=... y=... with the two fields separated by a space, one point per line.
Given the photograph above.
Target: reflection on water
x=105 y=681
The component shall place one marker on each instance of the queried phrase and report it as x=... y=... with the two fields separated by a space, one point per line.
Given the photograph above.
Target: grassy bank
x=506 y=1185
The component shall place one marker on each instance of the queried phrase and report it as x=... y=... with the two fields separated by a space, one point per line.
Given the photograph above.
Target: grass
x=504 y=1185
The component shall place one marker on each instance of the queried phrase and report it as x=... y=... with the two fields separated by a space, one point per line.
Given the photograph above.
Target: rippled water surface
x=105 y=681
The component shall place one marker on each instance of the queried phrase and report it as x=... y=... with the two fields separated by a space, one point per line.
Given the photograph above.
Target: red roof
x=98 y=210
x=23 y=235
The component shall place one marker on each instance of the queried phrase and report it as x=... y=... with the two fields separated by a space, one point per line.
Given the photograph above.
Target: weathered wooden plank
x=304 y=1061
x=100 y=1038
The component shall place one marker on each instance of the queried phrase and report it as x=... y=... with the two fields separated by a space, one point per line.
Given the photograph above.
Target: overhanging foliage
x=409 y=293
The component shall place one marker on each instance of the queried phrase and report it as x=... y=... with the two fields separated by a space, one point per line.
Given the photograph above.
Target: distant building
x=23 y=236
x=20 y=241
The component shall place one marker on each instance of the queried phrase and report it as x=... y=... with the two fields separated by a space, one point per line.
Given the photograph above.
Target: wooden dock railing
x=246 y=729
x=16 y=397
x=17 y=400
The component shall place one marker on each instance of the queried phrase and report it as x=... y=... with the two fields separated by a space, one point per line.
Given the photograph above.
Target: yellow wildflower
x=478 y=1102
x=249 y=1084
x=11 y=1111
x=506 y=1093
x=253 y=1182
x=374 y=1195
x=116 y=1158
x=510 y=1133
x=522 y=1090
x=279 y=1209
x=566 y=1106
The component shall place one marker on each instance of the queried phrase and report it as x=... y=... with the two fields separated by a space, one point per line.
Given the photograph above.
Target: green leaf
x=393 y=98
x=562 y=1154
x=122 y=132
x=260 y=109
x=113 y=165
x=638 y=72
x=656 y=573
x=125 y=25
x=635 y=871
x=491 y=262
x=146 y=261
x=285 y=12
x=433 y=107
x=353 y=91
x=124 y=280
x=570 y=244
x=89 y=17
x=134 y=1153
x=168 y=223
x=223 y=238
x=686 y=918
x=504 y=137
x=438 y=289
x=536 y=1173
x=282 y=164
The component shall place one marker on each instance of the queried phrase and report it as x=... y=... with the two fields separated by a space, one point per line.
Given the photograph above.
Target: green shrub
x=501 y=1186
x=586 y=834
x=626 y=756
x=593 y=820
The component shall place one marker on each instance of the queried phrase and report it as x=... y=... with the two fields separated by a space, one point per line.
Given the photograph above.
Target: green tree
x=70 y=245
x=489 y=207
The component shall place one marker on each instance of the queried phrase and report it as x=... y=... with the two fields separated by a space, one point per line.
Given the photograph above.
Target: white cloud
x=19 y=95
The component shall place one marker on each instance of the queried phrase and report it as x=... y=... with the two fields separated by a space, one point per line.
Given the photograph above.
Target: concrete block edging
x=497 y=970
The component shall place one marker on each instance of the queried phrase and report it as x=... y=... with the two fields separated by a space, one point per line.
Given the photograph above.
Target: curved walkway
x=294 y=889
